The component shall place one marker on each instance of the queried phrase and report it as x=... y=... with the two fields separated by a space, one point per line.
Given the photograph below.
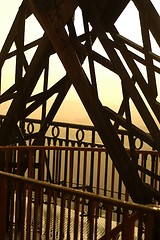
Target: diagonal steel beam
x=153 y=18
x=17 y=107
x=46 y=13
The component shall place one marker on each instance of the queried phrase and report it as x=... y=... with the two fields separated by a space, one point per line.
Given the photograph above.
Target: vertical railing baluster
x=48 y=217
x=65 y=167
x=143 y=163
x=53 y=165
x=10 y=208
x=40 y=211
x=140 y=226
x=19 y=159
x=106 y=174
x=92 y=161
x=3 y=206
x=150 y=227
x=98 y=172
x=30 y=164
x=41 y=164
x=48 y=161
x=7 y=168
x=29 y=204
x=71 y=167
x=29 y=213
x=57 y=166
x=112 y=180
x=96 y=216
x=108 y=220
x=54 y=214
x=36 y=208
x=156 y=172
x=91 y=219
x=22 y=210
x=6 y=160
x=62 y=216
x=127 y=226
x=97 y=192
x=76 y=218
x=17 y=211
x=82 y=218
x=153 y=170
x=13 y=161
x=84 y=170
x=119 y=187
x=69 y=201
x=78 y=168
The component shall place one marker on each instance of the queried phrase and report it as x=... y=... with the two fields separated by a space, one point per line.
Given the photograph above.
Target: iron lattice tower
x=122 y=57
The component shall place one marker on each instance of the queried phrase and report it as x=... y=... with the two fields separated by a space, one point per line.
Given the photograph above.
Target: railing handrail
x=39 y=147
x=96 y=149
x=124 y=204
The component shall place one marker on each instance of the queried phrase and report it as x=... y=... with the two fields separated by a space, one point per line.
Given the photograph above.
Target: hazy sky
x=127 y=24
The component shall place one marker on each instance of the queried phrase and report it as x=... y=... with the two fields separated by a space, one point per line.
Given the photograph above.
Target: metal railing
x=34 y=209
x=71 y=134
x=88 y=169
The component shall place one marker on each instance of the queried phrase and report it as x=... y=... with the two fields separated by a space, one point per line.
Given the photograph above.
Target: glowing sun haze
x=109 y=84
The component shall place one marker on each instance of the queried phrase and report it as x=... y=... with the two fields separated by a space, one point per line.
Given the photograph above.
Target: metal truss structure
x=121 y=56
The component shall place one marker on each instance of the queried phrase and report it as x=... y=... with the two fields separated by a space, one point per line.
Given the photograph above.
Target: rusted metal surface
x=72 y=50
x=42 y=213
